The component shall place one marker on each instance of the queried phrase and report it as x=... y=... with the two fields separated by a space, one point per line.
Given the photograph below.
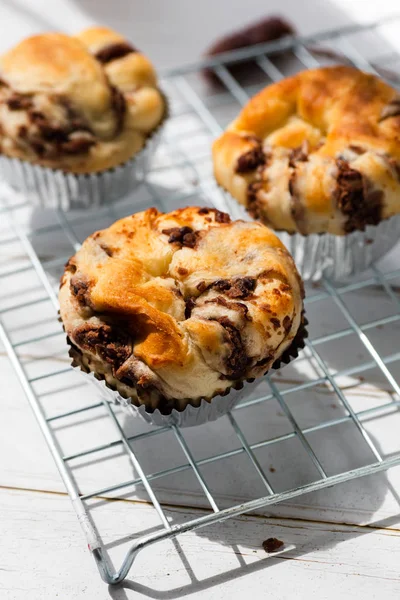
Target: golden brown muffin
x=172 y=308
x=317 y=152
x=82 y=104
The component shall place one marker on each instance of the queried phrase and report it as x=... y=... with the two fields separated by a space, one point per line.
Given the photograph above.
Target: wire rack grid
x=182 y=175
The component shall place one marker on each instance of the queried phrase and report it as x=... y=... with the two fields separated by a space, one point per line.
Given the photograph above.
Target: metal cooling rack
x=182 y=175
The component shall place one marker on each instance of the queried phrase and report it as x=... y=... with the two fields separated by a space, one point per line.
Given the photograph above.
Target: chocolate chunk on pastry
x=166 y=322
x=81 y=103
x=317 y=152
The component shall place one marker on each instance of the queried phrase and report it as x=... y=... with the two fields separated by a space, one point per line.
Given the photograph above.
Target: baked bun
x=317 y=152
x=81 y=103
x=173 y=308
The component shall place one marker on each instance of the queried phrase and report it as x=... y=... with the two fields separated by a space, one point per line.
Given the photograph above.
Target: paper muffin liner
x=190 y=416
x=208 y=409
x=56 y=189
x=340 y=257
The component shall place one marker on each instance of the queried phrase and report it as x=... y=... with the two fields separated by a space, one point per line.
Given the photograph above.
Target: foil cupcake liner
x=191 y=416
x=56 y=189
x=298 y=343
x=340 y=257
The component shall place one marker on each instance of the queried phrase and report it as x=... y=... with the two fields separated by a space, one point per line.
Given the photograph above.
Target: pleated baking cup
x=340 y=257
x=56 y=189
x=191 y=416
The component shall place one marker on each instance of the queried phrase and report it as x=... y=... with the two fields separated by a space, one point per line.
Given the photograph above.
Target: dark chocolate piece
x=19 y=102
x=202 y=286
x=119 y=107
x=114 y=51
x=357 y=149
x=189 y=306
x=263 y=361
x=238 y=361
x=106 y=248
x=297 y=344
x=296 y=207
x=275 y=322
x=110 y=343
x=52 y=133
x=250 y=160
x=240 y=287
x=287 y=323
x=48 y=139
x=299 y=154
x=361 y=206
x=78 y=144
x=23 y=131
x=221 y=217
x=79 y=288
x=70 y=265
x=237 y=306
x=253 y=204
x=184 y=236
x=272 y=545
x=38 y=147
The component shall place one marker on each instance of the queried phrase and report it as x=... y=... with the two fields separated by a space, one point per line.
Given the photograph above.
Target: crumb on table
x=272 y=544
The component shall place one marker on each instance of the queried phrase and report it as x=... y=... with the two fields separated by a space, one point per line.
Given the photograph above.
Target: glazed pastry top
x=185 y=303
x=316 y=152
x=80 y=103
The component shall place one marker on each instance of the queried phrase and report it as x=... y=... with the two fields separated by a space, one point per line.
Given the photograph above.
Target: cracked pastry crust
x=172 y=308
x=317 y=152
x=81 y=104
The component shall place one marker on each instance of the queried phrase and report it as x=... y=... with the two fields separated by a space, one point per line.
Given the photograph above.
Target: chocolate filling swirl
x=237 y=361
x=111 y=344
x=50 y=140
x=360 y=205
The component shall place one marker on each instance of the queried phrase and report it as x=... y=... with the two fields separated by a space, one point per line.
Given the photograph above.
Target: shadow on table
x=119 y=592
x=315 y=539
x=353 y=502
x=321 y=413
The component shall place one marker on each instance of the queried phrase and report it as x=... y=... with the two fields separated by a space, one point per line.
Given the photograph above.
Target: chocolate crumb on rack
x=264 y=30
x=272 y=545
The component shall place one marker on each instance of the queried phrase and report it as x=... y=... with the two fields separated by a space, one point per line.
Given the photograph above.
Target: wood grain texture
x=221 y=562
x=327 y=553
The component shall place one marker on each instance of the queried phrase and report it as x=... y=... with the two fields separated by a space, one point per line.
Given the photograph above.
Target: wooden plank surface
x=220 y=562
x=340 y=542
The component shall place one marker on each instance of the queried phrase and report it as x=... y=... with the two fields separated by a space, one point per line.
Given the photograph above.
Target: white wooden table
x=340 y=542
